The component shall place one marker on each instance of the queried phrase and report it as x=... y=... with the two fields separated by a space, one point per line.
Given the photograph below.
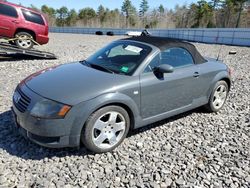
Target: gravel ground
x=195 y=149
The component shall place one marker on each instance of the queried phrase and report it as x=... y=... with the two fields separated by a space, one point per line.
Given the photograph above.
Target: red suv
x=25 y=24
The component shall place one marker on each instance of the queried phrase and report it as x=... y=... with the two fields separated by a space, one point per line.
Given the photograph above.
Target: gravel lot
x=195 y=149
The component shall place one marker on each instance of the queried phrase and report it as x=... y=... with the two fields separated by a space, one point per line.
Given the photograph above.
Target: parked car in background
x=133 y=33
x=126 y=85
x=23 y=23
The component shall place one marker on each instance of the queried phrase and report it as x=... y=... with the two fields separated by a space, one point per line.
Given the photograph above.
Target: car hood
x=73 y=83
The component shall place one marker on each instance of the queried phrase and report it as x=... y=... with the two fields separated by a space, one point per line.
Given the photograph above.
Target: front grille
x=23 y=102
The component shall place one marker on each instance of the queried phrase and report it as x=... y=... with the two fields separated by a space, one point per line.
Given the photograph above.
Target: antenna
x=218 y=56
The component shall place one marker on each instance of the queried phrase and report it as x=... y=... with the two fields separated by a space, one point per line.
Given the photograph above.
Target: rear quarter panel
x=210 y=73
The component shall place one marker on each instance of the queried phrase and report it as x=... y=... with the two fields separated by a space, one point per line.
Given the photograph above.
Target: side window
x=176 y=57
x=155 y=62
x=33 y=17
x=8 y=10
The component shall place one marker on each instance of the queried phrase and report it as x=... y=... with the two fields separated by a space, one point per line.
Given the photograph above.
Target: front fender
x=86 y=108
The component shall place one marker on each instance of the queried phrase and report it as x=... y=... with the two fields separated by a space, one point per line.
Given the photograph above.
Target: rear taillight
x=47 y=30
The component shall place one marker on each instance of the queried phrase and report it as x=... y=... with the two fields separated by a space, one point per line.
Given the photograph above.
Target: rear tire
x=218 y=97
x=99 y=33
x=24 y=40
x=105 y=129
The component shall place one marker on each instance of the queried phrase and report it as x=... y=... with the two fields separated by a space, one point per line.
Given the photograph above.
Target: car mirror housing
x=164 y=68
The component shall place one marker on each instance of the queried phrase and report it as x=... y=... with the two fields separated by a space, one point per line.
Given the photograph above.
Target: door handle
x=15 y=21
x=196 y=74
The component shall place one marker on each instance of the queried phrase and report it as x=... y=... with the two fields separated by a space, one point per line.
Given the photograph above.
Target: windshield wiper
x=84 y=62
x=101 y=67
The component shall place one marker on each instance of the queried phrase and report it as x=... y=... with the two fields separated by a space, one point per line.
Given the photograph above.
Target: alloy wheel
x=108 y=129
x=24 y=42
x=220 y=96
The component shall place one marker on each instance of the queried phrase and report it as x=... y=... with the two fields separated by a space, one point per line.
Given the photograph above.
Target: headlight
x=50 y=109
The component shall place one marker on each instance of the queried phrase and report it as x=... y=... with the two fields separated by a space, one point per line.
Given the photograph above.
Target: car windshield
x=121 y=57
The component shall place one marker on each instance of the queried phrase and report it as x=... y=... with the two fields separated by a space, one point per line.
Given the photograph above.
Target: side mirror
x=164 y=68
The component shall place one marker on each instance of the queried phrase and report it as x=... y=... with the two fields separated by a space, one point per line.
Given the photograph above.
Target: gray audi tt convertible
x=128 y=84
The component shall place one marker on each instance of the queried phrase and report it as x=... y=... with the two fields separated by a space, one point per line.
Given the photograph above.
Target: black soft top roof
x=163 y=43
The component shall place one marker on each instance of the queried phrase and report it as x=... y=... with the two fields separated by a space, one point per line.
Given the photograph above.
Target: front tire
x=105 y=129
x=24 y=40
x=218 y=97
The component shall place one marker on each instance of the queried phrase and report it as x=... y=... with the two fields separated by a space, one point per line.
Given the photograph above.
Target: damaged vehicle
x=128 y=84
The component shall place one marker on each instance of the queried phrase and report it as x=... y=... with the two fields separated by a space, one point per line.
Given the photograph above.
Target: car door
x=172 y=91
x=8 y=20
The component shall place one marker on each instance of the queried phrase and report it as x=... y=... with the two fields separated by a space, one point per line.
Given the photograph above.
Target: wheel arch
x=220 y=76
x=18 y=30
x=125 y=107
x=228 y=81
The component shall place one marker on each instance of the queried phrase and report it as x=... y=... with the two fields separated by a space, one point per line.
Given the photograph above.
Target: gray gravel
x=195 y=149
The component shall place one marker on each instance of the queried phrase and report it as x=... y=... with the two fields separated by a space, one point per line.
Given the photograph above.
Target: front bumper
x=54 y=133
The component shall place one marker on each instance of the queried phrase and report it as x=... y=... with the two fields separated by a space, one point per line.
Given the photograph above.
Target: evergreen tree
x=62 y=15
x=87 y=13
x=102 y=14
x=161 y=9
x=129 y=10
x=240 y=4
x=143 y=9
x=48 y=10
x=72 y=17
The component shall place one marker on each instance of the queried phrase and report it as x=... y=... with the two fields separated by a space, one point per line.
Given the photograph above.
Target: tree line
x=205 y=14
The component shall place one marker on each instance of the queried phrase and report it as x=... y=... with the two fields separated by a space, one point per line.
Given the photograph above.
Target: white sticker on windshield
x=134 y=49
